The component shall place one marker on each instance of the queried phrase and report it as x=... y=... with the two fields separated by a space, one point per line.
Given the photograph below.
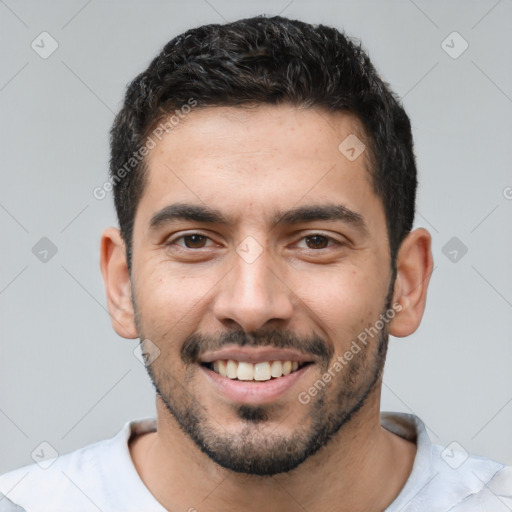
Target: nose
x=253 y=294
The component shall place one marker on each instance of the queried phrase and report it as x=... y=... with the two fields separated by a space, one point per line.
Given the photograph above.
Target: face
x=260 y=255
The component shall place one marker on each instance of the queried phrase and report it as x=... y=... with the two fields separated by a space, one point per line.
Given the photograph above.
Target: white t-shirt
x=102 y=477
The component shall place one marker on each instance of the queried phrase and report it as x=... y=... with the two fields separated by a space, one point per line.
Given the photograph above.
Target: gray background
x=66 y=378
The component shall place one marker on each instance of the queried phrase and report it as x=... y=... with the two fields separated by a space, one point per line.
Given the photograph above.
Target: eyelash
x=330 y=239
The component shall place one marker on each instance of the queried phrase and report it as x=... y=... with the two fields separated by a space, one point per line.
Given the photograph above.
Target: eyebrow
x=184 y=211
x=297 y=215
x=326 y=212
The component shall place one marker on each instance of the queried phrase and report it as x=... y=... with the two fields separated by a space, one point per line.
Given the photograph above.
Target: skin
x=248 y=163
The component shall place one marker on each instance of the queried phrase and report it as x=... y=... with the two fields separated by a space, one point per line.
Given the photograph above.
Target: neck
x=362 y=468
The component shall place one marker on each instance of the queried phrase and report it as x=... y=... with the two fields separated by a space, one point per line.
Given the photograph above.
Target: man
x=265 y=181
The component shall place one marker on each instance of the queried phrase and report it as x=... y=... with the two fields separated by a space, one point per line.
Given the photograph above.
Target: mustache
x=198 y=344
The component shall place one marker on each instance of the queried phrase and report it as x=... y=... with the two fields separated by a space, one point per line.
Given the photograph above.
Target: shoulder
x=84 y=479
x=448 y=478
x=6 y=505
x=59 y=480
x=472 y=483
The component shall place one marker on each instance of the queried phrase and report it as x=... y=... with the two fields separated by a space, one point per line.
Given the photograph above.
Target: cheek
x=170 y=300
x=343 y=302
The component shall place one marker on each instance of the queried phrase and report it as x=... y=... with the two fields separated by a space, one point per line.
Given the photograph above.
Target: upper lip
x=255 y=355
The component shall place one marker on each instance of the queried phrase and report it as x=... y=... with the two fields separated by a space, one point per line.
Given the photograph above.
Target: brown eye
x=195 y=241
x=316 y=242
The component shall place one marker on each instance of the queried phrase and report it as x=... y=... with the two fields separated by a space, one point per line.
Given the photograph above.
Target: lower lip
x=254 y=392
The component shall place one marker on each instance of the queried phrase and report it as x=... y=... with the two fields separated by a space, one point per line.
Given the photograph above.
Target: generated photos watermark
x=342 y=361
x=162 y=129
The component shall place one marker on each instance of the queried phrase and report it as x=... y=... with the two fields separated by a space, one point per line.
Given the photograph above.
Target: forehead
x=238 y=158
x=235 y=132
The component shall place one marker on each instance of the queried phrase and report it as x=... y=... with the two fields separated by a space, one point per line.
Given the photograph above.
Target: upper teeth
x=258 y=371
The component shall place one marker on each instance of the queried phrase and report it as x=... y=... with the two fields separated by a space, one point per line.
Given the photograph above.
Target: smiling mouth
x=259 y=372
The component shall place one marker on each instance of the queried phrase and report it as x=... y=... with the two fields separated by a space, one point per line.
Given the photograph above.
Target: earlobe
x=117 y=283
x=414 y=267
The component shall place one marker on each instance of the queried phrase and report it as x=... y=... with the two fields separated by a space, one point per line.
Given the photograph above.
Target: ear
x=414 y=267
x=117 y=283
